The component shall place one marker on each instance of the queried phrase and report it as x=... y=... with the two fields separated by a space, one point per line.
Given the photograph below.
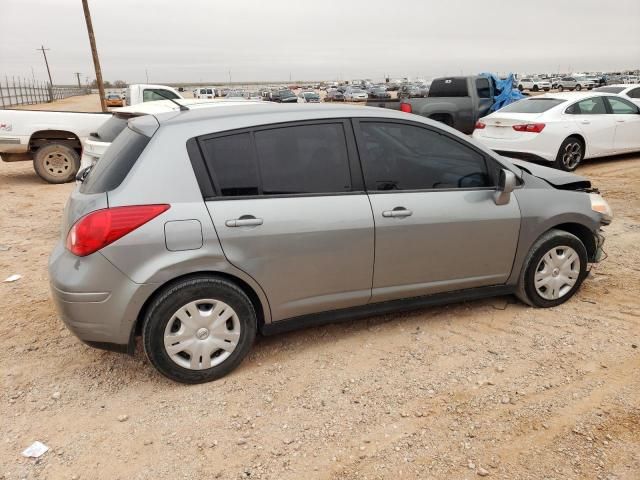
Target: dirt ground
x=486 y=388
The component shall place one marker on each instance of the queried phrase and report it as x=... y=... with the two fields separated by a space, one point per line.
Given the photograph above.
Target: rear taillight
x=529 y=127
x=405 y=107
x=102 y=227
x=480 y=125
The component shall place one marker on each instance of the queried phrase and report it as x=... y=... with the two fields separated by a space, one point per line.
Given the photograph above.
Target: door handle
x=244 y=221
x=398 y=212
x=620 y=121
x=585 y=122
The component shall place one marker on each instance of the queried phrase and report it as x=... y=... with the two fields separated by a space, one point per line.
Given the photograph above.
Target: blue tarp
x=505 y=93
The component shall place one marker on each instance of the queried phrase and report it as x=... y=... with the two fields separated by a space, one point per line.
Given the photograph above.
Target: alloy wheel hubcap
x=572 y=154
x=202 y=334
x=557 y=273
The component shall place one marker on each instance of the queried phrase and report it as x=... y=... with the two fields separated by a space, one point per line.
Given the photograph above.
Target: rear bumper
x=97 y=302
x=526 y=148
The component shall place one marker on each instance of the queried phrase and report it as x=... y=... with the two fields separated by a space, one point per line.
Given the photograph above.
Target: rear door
x=438 y=228
x=627 y=123
x=598 y=128
x=290 y=210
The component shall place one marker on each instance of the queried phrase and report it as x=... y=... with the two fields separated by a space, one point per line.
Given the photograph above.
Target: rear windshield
x=116 y=163
x=449 y=87
x=110 y=129
x=532 y=105
x=609 y=89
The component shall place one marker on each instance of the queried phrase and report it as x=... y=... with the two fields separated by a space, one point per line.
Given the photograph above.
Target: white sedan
x=352 y=94
x=630 y=92
x=562 y=128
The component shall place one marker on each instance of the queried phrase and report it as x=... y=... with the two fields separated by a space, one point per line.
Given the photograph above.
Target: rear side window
x=635 y=93
x=232 y=160
x=590 y=106
x=303 y=159
x=449 y=87
x=619 y=105
x=482 y=85
x=531 y=105
x=116 y=162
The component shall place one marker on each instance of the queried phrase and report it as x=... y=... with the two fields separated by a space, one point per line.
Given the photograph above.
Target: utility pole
x=77 y=74
x=94 y=53
x=48 y=71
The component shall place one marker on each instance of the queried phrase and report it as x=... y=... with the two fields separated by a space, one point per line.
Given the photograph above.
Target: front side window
x=590 y=106
x=621 y=106
x=303 y=159
x=232 y=161
x=151 y=95
x=407 y=157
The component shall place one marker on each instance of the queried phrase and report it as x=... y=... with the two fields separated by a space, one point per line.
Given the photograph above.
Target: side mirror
x=506 y=184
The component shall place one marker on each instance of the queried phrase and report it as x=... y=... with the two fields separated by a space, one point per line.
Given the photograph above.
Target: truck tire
x=56 y=163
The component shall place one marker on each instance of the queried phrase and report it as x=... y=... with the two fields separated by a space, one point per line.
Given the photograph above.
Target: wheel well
x=43 y=137
x=585 y=235
x=244 y=286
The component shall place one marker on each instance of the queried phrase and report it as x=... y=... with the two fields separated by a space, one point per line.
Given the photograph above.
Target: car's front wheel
x=578 y=87
x=560 y=88
x=553 y=270
x=199 y=329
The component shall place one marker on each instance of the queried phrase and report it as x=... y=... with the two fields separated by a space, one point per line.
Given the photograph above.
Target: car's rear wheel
x=560 y=88
x=553 y=270
x=199 y=329
x=578 y=87
x=56 y=163
x=570 y=154
x=535 y=88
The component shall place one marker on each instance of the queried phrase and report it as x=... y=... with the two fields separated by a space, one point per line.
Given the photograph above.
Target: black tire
x=535 y=88
x=520 y=87
x=570 y=154
x=162 y=310
x=56 y=163
x=547 y=89
x=578 y=87
x=560 y=88
x=526 y=290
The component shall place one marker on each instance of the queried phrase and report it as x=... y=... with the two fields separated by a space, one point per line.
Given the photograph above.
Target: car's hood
x=557 y=178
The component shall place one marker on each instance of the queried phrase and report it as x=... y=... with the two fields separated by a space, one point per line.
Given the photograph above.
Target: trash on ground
x=35 y=450
x=12 y=278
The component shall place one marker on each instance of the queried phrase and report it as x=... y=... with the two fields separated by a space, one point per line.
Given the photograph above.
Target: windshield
x=110 y=129
x=532 y=105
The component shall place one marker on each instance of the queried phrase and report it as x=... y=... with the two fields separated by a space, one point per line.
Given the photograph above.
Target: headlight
x=600 y=205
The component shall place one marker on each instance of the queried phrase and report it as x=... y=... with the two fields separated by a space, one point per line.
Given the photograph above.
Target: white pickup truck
x=53 y=140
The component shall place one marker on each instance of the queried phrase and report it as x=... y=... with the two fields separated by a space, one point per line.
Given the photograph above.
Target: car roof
x=268 y=113
x=161 y=106
x=572 y=95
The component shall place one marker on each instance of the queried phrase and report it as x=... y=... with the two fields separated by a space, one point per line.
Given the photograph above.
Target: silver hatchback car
x=199 y=229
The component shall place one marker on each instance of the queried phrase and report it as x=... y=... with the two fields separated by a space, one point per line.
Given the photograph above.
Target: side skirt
x=381 y=308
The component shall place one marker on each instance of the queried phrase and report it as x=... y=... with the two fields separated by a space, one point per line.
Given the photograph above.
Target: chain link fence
x=20 y=91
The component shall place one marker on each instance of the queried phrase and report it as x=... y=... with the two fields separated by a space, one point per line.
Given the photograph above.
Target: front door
x=437 y=227
x=289 y=214
x=627 y=121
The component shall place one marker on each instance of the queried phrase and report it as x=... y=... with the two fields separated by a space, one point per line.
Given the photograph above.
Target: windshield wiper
x=183 y=108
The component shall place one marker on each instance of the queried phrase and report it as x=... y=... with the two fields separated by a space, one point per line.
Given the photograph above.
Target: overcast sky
x=201 y=40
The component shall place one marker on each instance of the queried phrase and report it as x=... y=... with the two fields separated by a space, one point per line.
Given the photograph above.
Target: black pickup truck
x=456 y=101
